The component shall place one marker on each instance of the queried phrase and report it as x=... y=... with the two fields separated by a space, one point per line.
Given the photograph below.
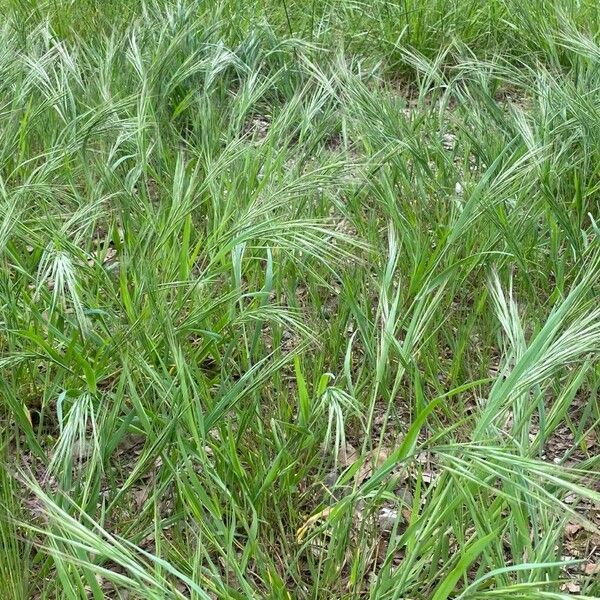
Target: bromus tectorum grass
x=299 y=302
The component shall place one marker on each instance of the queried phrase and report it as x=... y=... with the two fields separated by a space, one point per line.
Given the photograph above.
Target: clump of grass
x=299 y=301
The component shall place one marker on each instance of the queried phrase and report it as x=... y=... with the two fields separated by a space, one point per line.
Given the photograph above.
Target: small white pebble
x=387 y=518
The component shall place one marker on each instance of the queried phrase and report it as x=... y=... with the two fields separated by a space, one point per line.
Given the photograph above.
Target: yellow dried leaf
x=301 y=533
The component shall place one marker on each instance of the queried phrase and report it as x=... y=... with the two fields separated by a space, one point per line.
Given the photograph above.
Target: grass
x=299 y=300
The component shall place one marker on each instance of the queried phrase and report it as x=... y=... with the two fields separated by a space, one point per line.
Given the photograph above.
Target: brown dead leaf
x=571 y=586
x=373 y=460
x=140 y=496
x=571 y=529
x=592 y=568
x=347 y=455
x=591 y=440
